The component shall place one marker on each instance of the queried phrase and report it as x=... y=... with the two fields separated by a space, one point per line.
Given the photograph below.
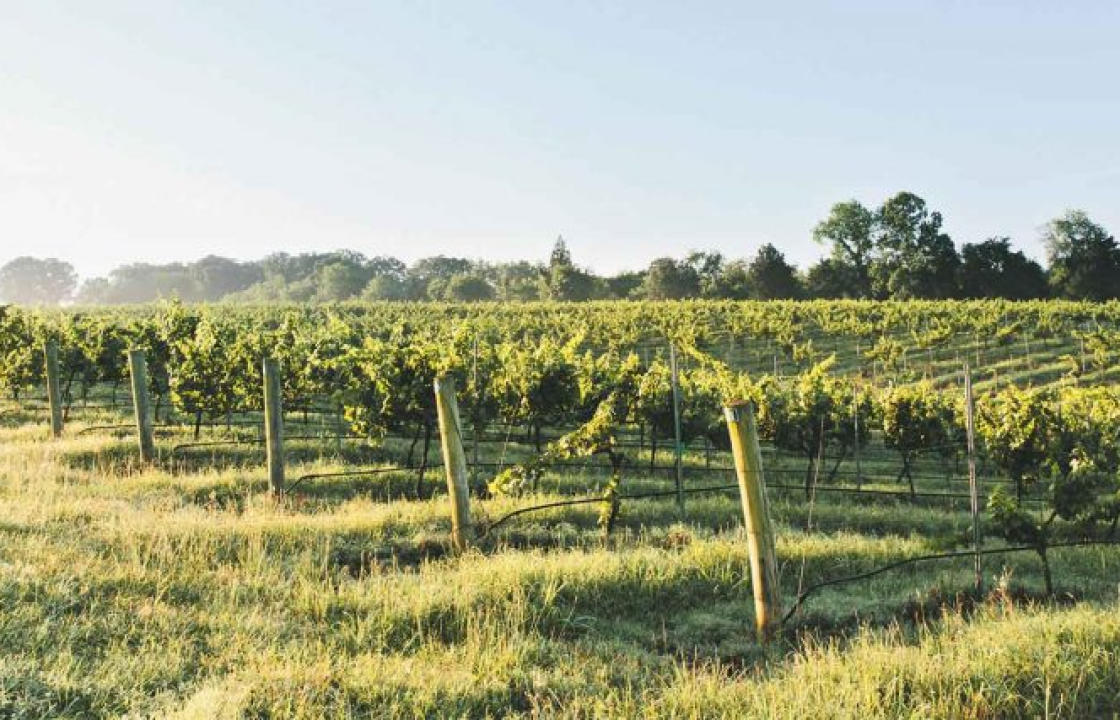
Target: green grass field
x=185 y=591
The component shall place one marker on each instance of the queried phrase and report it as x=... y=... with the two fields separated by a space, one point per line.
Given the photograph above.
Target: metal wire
x=803 y=595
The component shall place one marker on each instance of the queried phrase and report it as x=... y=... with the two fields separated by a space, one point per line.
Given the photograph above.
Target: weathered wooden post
x=756 y=516
x=676 y=388
x=973 y=489
x=855 y=441
x=138 y=369
x=454 y=462
x=54 y=399
x=274 y=425
x=475 y=469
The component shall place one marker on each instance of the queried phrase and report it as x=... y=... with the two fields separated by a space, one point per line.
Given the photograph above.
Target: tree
x=144 y=282
x=770 y=277
x=1084 y=259
x=560 y=254
x=668 y=279
x=849 y=229
x=217 y=276
x=566 y=282
x=94 y=291
x=991 y=269
x=467 y=288
x=913 y=257
x=734 y=281
x=519 y=281
x=708 y=267
x=832 y=278
x=569 y=283
x=625 y=284
x=340 y=281
x=385 y=287
x=386 y=265
x=32 y=281
x=427 y=276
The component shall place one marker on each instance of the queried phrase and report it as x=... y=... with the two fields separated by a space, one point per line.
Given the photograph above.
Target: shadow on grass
x=120 y=456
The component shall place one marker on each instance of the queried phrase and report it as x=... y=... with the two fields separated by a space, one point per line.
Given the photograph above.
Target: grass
x=184 y=591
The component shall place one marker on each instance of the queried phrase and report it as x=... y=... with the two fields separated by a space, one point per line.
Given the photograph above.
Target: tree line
x=898 y=250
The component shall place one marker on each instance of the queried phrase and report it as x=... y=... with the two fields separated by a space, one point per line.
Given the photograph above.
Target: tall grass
x=187 y=592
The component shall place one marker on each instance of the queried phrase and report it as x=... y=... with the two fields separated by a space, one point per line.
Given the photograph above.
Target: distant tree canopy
x=849 y=231
x=913 y=258
x=1084 y=258
x=895 y=251
x=668 y=279
x=32 y=281
x=898 y=250
x=991 y=269
x=770 y=277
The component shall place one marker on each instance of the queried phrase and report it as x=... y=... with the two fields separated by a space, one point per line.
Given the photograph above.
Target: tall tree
x=913 y=257
x=832 y=278
x=991 y=269
x=518 y=281
x=560 y=254
x=340 y=281
x=625 y=284
x=770 y=277
x=385 y=287
x=467 y=288
x=708 y=267
x=734 y=281
x=668 y=279
x=33 y=281
x=428 y=276
x=849 y=230
x=564 y=281
x=217 y=276
x=1084 y=258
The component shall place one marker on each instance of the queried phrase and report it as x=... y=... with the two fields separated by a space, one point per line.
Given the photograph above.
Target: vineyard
x=942 y=479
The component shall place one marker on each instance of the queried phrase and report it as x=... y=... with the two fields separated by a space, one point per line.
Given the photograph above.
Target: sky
x=159 y=131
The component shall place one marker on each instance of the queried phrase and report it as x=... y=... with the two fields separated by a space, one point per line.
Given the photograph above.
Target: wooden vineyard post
x=676 y=387
x=855 y=441
x=756 y=515
x=54 y=399
x=138 y=369
x=474 y=421
x=454 y=462
x=274 y=425
x=973 y=489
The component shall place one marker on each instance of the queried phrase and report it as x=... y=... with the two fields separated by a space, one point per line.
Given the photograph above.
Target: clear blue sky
x=161 y=131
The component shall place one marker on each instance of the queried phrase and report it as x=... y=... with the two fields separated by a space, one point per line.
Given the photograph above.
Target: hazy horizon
x=136 y=133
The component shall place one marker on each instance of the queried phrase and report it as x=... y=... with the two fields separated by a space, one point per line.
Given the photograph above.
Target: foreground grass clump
x=1004 y=663
x=186 y=592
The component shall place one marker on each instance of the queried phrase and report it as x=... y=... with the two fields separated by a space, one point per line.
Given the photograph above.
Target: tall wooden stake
x=274 y=425
x=973 y=489
x=676 y=385
x=454 y=462
x=477 y=413
x=53 y=395
x=756 y=515
x=138 y=369
x=855 y=423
